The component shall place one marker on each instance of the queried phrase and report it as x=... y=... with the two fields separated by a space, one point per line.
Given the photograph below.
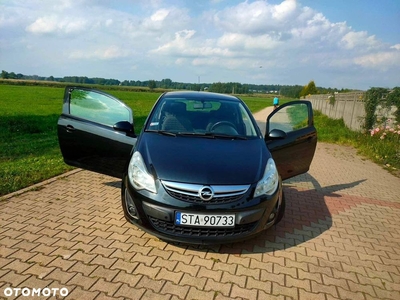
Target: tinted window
x=202 y=116
x=96 y=107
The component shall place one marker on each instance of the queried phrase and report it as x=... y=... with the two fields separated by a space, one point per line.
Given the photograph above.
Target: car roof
x=199 y=95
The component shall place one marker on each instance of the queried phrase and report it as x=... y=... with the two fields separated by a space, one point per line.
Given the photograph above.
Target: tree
x=217 y=87
x=309 y=89
x=152 y=84
x=195 y=87
x=166 y=83
x=4 y=74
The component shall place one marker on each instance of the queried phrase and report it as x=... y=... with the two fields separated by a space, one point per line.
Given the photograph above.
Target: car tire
x=282 y=209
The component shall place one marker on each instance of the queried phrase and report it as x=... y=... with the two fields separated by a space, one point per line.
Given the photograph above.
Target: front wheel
x=282 y=208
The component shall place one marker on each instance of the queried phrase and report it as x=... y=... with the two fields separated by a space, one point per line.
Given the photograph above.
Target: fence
x=349 y=106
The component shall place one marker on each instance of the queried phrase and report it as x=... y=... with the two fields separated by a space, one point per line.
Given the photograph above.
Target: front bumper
x=155 y=213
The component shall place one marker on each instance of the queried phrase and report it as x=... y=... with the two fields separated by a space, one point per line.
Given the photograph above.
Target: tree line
x=292 y=91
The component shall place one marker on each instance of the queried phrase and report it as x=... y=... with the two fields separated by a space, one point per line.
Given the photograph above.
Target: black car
x=200 y=171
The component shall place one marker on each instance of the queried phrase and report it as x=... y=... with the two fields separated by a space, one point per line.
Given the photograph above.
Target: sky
x=351 y=44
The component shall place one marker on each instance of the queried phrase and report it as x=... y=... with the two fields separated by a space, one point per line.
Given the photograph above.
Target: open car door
x=95 y=131
x=292 y=138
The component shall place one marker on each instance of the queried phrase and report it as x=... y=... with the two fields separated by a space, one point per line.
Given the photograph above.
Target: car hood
x=202 y=160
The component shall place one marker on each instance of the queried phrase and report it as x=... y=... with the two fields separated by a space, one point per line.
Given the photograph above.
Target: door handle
x=70 y=128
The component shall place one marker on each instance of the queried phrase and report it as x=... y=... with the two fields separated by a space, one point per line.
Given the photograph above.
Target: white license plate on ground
x=204 y=220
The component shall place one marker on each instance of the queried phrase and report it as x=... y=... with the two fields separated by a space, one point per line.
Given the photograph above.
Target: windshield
x=202 y=117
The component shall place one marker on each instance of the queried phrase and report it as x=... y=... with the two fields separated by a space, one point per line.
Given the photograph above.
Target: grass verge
x=383 y=147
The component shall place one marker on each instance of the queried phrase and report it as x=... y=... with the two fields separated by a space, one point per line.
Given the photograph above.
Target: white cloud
x=184 y=46
x=229 y=64
x=242 y=42
x=178 y=45
x=156 y=20
x=311 y=29
x=381 y=60
x=53 y=24
x=255 y=17
x=159 y=15
x=109 y=22
x=397 y=47
x=165 y=19
x=358 y=39
x=110 y=52
x=284 y=11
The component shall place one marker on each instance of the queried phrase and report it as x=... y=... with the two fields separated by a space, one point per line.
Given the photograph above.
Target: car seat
x=175 y=118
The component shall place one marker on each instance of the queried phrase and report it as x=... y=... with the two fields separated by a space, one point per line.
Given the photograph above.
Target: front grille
x=171 y=228
x=190 y=192
x=197 y=199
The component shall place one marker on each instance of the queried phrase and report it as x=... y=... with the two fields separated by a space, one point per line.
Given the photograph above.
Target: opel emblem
x=206 y=193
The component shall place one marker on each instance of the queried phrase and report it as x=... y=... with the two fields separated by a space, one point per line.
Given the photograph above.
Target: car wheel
x=282 y=208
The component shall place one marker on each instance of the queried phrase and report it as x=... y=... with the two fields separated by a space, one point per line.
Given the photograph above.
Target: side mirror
x=276 y=134
x=124 y=126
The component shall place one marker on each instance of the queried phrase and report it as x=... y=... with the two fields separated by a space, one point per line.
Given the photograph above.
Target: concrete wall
x=349 y=106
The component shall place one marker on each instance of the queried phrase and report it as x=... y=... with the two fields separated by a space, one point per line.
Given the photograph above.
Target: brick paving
x=339 y=239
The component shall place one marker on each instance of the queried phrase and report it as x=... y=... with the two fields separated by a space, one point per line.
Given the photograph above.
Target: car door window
x=97 y=107
x=290 y=118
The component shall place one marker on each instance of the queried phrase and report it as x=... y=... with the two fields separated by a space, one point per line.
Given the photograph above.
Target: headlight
x=138 y=175
x=269 y=182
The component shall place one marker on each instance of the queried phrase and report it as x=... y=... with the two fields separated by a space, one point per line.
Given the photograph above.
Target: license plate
x=204 y=220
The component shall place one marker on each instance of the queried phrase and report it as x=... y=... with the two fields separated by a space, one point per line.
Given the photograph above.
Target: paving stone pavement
x=339 y=239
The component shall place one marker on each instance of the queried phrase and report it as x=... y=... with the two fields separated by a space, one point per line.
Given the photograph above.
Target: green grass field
x=29 y=151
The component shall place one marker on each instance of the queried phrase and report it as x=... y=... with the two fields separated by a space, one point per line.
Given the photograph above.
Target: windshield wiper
x=199 y=134
x=213 y=135
x=225 y=136
x=163 y=132
x=210 y=135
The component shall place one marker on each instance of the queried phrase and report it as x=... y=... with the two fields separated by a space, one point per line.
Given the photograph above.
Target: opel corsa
x=200 y=171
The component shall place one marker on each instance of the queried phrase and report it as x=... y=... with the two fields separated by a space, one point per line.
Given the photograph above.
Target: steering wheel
x=223 y=123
